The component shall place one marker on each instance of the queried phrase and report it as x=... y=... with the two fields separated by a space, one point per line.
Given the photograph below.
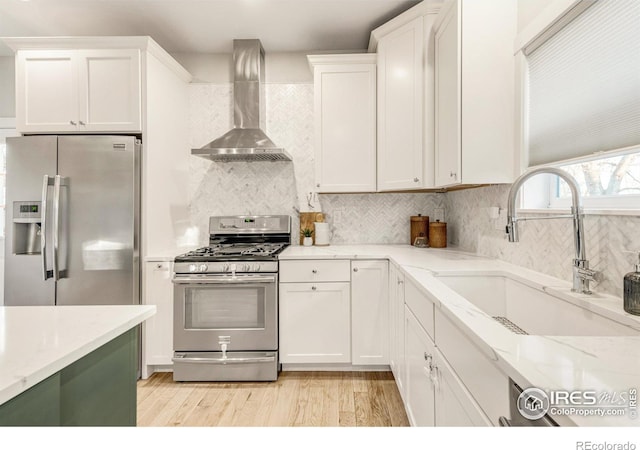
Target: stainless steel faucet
x=581 y=272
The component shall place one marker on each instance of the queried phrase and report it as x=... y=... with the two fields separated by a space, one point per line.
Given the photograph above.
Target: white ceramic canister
x=321 y=233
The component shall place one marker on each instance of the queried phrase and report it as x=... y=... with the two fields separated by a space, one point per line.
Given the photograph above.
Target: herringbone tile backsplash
x=545 y=246
x=283 y=188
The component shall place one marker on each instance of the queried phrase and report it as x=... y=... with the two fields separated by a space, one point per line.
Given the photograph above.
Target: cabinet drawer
x=420 y=305
x=315 y=271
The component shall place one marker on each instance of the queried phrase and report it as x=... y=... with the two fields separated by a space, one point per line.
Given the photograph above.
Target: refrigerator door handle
x=58 y=183
x=46 y=182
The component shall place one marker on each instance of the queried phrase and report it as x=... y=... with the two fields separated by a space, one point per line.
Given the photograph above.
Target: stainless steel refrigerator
x=72 y=220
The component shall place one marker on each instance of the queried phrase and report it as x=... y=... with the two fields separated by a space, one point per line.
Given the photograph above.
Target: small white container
x=307 y=241
x=322 y=233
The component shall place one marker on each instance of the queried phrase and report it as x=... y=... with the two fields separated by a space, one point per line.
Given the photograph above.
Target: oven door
x=222 y=312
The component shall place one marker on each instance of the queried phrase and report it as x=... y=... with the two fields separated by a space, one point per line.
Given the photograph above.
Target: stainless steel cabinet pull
x=313 y=288
x=415 y=180
x=46 y=182
x=453 y=175
x=248 y=279
x=72 y=122
x=230 y=360
x=314 y=271
x=429 y=359
x=81 y=122
x=355 y=269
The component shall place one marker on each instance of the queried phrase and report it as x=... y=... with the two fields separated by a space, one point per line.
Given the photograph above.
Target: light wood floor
x=296 y=399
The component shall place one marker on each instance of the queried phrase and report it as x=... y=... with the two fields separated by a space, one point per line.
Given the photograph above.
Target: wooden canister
x=419 y=227
x=438 y=234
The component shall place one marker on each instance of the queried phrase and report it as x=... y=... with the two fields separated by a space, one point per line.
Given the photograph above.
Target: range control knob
x=256 y=268
x=203 y=267
x=192 y=267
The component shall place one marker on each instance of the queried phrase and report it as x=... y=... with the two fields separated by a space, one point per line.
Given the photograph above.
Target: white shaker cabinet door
x=369 y=313
x=158 y=329
x=399 y=349
x=345 y=127
x=419 y=390
x=448 y=66
x=46 y=91
x=315 y=323
x=78 y=91
x=109 y=83
x=400 y=108
x=393 y=320
x=455 y=407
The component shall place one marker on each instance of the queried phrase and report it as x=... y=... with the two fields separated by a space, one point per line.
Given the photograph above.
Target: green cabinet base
x=97 y=390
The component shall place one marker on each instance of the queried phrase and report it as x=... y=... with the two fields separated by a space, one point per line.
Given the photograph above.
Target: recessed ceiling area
x=206 y=26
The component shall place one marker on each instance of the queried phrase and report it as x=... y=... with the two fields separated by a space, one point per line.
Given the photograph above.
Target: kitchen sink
x=525 y=309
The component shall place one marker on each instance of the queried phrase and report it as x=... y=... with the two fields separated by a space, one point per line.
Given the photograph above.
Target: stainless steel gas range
x=226 y=301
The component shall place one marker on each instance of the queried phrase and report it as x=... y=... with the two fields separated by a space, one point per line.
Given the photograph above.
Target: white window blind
x=584 y=85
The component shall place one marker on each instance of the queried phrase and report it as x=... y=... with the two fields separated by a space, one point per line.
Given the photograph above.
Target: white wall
x=529 y=9
x=217 y=68
x=7 y=86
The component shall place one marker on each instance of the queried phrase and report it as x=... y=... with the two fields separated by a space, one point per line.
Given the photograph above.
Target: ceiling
x=206 y=26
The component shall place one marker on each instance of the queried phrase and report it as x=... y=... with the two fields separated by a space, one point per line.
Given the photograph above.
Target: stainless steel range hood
x=246 y=141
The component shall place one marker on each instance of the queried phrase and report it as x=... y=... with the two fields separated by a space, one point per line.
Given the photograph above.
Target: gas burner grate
x=509 y=325
x=237 y=249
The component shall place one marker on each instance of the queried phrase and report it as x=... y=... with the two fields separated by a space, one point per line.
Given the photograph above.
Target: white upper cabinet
x=47 y=91
x=78 y=91
x=110 y=89
x=474 y=92
x=400 y=107
x=345 y=122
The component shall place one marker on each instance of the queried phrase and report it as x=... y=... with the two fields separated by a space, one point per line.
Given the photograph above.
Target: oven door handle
x=228 y=360
x=224 y=280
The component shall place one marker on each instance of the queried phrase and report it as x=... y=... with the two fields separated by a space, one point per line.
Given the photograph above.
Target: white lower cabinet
x=315 y=323
x=419 y=391
x=480 y=376
x=454 y=405
x=157 y=330
x=369 y=313
x=334 y=312
x=393 y=315
x=431 y=358
x=396 y=326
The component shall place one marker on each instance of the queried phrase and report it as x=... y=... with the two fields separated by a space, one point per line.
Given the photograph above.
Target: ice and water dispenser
x=26 y=228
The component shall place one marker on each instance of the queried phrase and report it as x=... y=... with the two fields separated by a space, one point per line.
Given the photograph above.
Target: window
x=609 y=182
x=581 y=106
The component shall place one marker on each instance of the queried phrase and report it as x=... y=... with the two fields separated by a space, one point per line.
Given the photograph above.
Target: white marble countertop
x=601 y=364
x=38 y=341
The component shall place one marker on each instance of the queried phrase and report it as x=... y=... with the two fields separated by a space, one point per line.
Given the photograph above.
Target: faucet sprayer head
x=512 y=230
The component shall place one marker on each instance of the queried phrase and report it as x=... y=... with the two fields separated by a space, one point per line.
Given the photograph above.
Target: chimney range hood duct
x=246 y=141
